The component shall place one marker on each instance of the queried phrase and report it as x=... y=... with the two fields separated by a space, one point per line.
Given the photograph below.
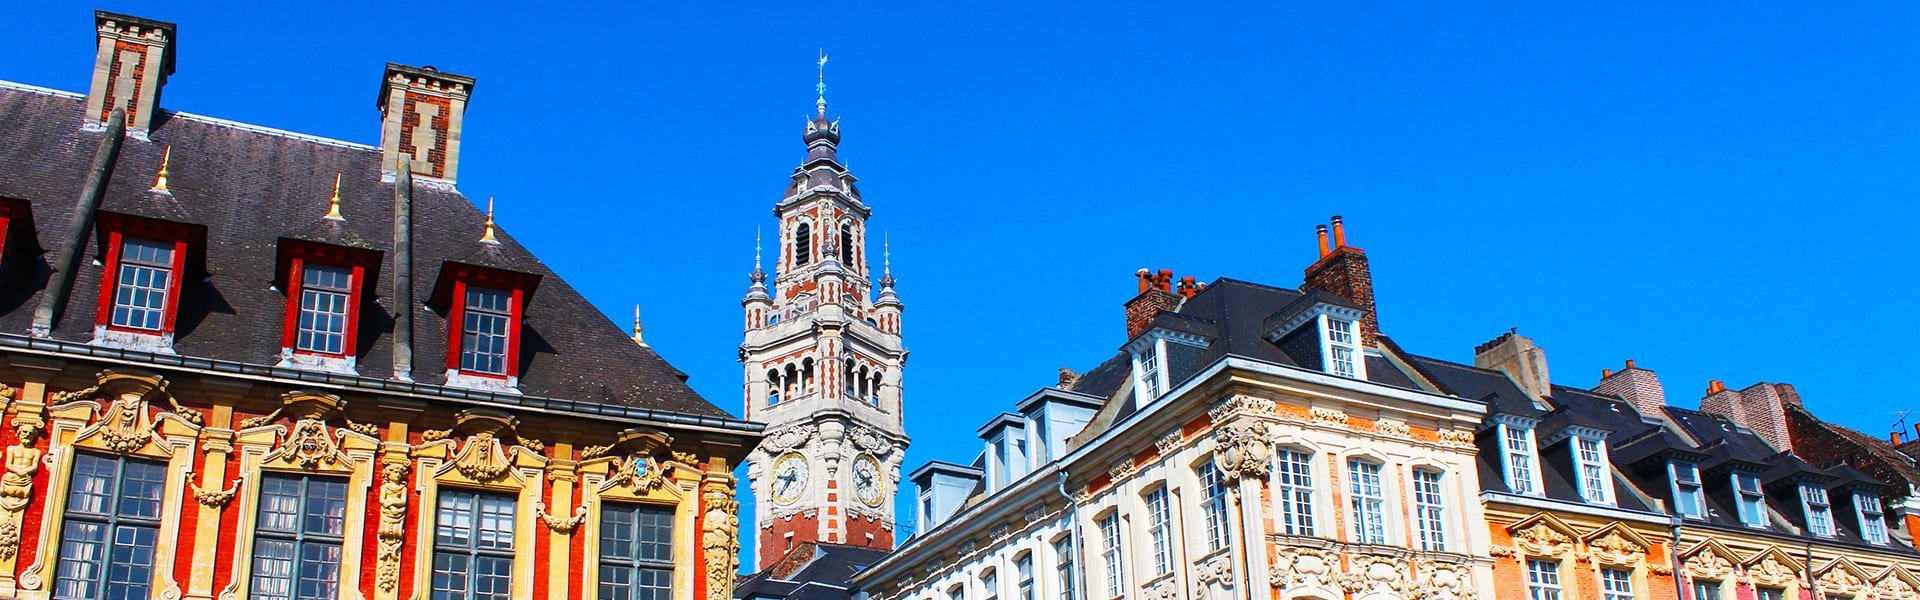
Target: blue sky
x=1718 y=190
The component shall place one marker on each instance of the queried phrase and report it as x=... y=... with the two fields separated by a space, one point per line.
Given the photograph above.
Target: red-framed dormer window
x=485 y=309
x=488 y=335
x=325 y=289
x=145 y=262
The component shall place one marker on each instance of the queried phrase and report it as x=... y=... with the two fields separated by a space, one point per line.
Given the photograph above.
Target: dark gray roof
x=833 y=565
x=249 y=187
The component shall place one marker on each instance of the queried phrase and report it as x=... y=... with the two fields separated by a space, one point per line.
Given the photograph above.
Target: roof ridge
x=262 y=129
x=24 y=87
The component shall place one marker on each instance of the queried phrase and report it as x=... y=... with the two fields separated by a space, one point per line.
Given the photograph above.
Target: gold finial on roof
x=333 y=204
x=488 y=236
x=160 y=183
x=636 y=326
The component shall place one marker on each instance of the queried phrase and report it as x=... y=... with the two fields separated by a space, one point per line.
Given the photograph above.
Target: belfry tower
x=822 y=357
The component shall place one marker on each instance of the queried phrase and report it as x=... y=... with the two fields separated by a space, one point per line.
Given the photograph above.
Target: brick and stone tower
x=822 y=358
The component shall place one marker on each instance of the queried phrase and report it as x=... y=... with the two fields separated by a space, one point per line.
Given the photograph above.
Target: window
x=1214 y=505
x=1746 y=489
x=296 y=551
x=1429 y=510
x=1341 y=351
x=1293 y=479
x=636 y=552
x=1873 y=522
x=1819 y=513
x=483 y=340
x=1616 y=584
x=111 y=530
x=846 y=243
x=144 y=277
x=473 y=546
x=1024 y=567
x=1687 y=498
x=958 y=592
x=1592 y=456
x=1543 y=580
x=1706 y=590
x=325 y=294
x=802 y=245
x=990 y=585
x=1148 y=362
x=1160 y=530
x=1518 y=441
x=1063 y=552
x=1369 y=514
x=1769 y=594
x=1110 y=553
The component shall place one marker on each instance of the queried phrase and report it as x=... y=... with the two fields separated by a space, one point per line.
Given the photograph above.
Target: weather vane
x=821 y=84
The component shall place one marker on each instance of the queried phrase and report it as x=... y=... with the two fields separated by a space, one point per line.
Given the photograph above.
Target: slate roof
x=249 y=187
x=822 y=576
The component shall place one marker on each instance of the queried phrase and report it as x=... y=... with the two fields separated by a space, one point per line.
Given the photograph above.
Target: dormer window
x=144 y=284
x=485 y=310
x=1813 y=500
x=325 y=295
x=1752 y=506
x=1590 y=460
x=1521 y=456
x=1343 y=354
x=485 y=336
x=1688 y=499
x=1146 y=367
x=1873 y=522
x=144 y=262
x=324 y=286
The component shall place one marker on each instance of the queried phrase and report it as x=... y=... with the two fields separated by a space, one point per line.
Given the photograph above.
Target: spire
x=333 y=204
x=160 y=183
x=636 y=326
x=821 y=86
x=487 y=238
x=819 y=128
x=758 y=275
x=886 y=261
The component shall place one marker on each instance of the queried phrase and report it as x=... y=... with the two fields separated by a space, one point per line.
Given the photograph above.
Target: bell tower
x=822 y=358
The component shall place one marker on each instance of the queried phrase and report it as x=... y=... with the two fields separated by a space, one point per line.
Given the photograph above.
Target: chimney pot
x=133 y=59
x=1146 y=279
x=1346 y=274
x=1324 y=250
x=1339 y=233
x=421 y=111
x=1629 y=363
x=1894 y=437
x=1605 y=373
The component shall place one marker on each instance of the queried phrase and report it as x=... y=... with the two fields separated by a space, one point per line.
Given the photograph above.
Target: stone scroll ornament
x=1241 y=450
x=720 y=539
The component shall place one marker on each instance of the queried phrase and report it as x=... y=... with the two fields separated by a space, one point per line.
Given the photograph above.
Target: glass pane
x=82 y=555
x=326 y=507
x=279 y=504
x=319 y=570
x=493 y=578
x=453 y=524
x=130 y=565
x=616 y=532
x=93 y=483
x=140 y=489
x=450 y=573
x=272 y=569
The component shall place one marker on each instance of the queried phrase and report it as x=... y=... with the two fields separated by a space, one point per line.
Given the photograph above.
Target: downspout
x=403 y=272
x=1673 y=556
x=75 y=239
x=1073 y=539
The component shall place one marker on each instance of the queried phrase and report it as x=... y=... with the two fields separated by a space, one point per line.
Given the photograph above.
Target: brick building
x=241 y=362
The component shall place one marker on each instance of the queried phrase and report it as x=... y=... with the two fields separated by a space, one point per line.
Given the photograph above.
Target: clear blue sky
x=1721 y=191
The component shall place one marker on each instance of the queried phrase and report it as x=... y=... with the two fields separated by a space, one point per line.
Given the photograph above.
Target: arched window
x=806 y=377
x=852 y=386
x=873 y=390
x=846 y=243
x=791 y=382
x=802 y=245
x=773 y=387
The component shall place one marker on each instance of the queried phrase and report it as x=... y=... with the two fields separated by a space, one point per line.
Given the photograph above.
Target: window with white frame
x=140 y=289
x=1147 y=363
x=957 y=592
x=1160 y=530
x=1706 y=590
x=1343 y=353
x=1517 y=442
x=1063 y=569
x=989 y=585
x=1813 y=499
x=112 y=528
x=1213 y=504
x=1752 y=504
x=1429 y=510
x=1616 y=584
x=1769 y=594
x=1873 y=521
x=1688 y=500
x=636 y=551
x=1595 y=486
x=297 y=547
x=1023 y=566
x=1543 y=580
x=1110 y=555
x=1293 y=483
x=473 y=545
x=1369 y=517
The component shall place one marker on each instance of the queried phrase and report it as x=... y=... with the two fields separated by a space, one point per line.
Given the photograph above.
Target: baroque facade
x=238 y=362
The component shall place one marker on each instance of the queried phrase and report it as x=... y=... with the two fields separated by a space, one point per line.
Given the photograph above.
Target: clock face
x=866 y=480
x=789 y=478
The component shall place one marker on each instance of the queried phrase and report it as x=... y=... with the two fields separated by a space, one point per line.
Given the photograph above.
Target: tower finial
x=488 y=236
x=821 y=85
x=333 y=204
x=886 y=253
x=756 y=248
x=160 y=183
x=636 y=326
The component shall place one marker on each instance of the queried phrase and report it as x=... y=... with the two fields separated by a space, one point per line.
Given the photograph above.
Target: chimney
x=133 y=60
x=1523 y=362
x=1894 y=437
x=1759 y=408
x=1639 y=387
x=1343 y=272
x=1156 y=294
x=420 y=111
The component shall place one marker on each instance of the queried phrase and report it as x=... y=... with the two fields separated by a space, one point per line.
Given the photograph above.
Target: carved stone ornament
x=593 y=452
x=686 y=458
x=393 y=524
x=1893 y=587
x=1615 y=549
x=1121 y=470
x=16 y=485
x=1391 y=428
x=1770 y=572
x=1213 y=577
x=1328 y=416
x=1165 y=589
x=1842 y=581
x=1304 y=568
x=1541 y=539
x=126 y=427
x=720 y=537
x=215 y=499
x=1375 y=575
x=1241 y=450
x=1660 y=569
x=1233 y=405
x=790 y=438
x=435 y=435
x=560 y=525
x=311 y=446
x=1166 y=443
x=1708 y=564
x=68 y=397
x=869 y=441
x=1456 y=437
x=1441 y=581
x=1499 y=551
x=643 y=473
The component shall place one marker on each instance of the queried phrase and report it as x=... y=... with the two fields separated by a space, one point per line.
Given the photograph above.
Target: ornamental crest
x=1770 y=571
x=1708 y=563
x=1894 y=587
x=1241 y=449
x=1304 y=567
x=788 y=439
x=1213 y=578
x=1441 y=581
x=310 y=447
x=644 y=473
x=869 y=441
x=1842 y=579
x=1542 y=539
x=126 y=428
x=482 y=458
x=1375 y=575
x=1615 y=548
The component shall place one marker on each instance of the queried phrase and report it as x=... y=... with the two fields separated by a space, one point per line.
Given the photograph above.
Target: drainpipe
x=1673 y=556
x=403 y=272
x=75 y=240
x=1073 y=539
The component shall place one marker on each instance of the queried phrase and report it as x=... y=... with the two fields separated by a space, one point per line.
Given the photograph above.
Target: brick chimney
x=1639 y=387
x=1760 y=408
x=1342 y=270
x=1523 y=362
x=134 y=58
x=420 y=110
x=1156 y=294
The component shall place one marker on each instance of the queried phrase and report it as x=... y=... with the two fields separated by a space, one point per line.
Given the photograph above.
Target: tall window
x=957 y=592
x=1341 y=351
x=483 y=345
x=1543 y=580
x=473 y=546
x=296 y=551
x=1873 y=522
x=1160 y=530
x=1023 y=566
x=112 y=527
x=1149 y=360
x=1214 y=505
x=1687 y=497
x=1369 y=500
x=1819 y=512
x=1616 y=584
x=1769 y=594
x=140 y=288
x=802 y=245
x=990 y=585
x=1110 y=553
x=1706 y=590
x=1063 y=552
x=1594 y=484
x=846 y=244
x=1293 y=480
x=1753 y=512
x=1429 y=510
x=636 y=552
x=324 y=294
x=1518 y=442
